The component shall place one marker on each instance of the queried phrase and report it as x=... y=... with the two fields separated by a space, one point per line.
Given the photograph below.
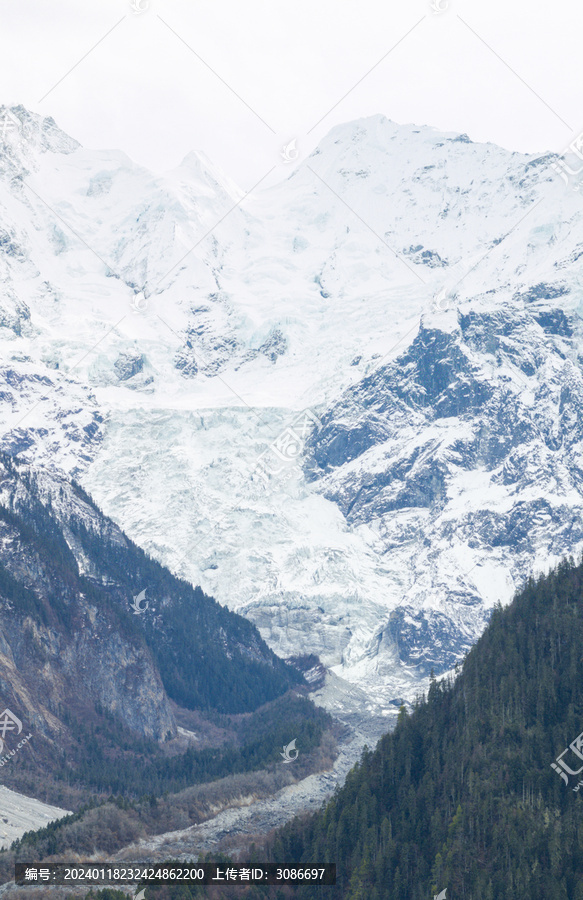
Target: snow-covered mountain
x=348 y=406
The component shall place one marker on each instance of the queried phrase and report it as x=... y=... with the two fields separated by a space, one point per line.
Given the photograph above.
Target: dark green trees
x=462 y=795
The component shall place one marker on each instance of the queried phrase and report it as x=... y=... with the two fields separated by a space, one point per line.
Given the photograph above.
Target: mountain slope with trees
x=90 y=677
x=462 y=794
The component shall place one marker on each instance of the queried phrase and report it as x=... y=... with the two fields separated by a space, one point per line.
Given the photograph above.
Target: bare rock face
x=62 y=649
x=43 y=672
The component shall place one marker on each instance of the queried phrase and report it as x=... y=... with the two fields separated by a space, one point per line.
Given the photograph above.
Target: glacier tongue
x=416 y=293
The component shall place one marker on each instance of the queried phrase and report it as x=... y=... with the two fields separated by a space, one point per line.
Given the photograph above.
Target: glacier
x=409 y=297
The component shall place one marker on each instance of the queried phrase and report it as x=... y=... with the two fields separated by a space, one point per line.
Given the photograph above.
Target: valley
x=323 y=431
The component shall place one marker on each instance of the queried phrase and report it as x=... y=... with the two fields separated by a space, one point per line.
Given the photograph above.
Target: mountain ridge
x=73 y=648
x=184 y=329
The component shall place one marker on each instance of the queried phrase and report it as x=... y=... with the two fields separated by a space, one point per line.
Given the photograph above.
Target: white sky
x=143 y=91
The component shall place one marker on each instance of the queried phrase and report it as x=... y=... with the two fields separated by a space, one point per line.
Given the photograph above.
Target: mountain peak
x=24 y=136
x=41 y=133
x=204 y=176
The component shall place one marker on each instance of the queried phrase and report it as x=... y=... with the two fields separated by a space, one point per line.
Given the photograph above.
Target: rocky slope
x=81 y=644
x=20 y=814
x=463 y=457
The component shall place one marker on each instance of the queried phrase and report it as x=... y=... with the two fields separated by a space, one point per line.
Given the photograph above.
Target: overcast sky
x=238 y=79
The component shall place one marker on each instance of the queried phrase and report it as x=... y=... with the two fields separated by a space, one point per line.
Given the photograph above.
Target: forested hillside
x=91 y=676
x=462 y=795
